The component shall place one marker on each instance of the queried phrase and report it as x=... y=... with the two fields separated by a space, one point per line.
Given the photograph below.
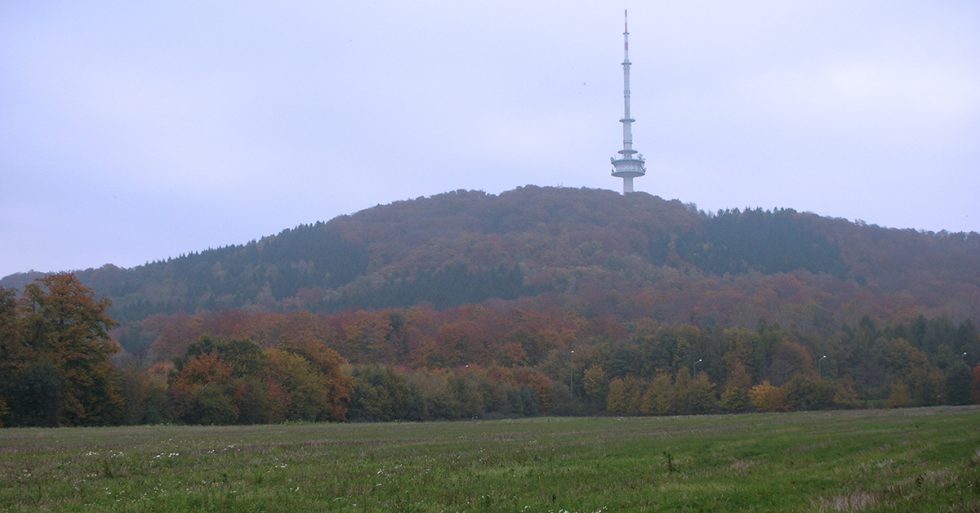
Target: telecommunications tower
x=629 y=164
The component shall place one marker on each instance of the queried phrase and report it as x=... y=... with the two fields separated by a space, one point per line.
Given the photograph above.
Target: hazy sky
x=134 y=131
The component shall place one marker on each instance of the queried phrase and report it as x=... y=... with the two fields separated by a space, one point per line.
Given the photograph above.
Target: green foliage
x=975 y=386
x=210 y=405
x=35 y=395
x=669 y=461
x=261 y=272
x=626 y=395
x=659 y=398
x=735 y=396
x=454 y=284
x=807 y=392
x=595 y=383
x=779 y=241
x=701 y=395
x=958 y=379
x=382 y=394
x=300 y=382
x=682 y=392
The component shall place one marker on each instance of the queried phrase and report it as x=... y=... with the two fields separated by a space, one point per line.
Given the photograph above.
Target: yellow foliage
x=767 y=397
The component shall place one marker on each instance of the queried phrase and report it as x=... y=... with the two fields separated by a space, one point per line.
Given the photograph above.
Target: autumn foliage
x=54 y=356
x=239 y=382
x=534 y=301
x=504 y=359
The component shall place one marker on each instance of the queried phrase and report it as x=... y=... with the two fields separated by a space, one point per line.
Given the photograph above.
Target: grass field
x=896 y=460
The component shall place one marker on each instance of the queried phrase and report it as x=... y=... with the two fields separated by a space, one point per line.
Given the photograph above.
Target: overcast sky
x=134 y=131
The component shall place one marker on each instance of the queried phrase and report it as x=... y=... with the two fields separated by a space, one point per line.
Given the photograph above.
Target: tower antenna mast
x=629 y=164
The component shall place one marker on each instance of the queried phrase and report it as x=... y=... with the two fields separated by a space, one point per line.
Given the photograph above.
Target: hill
x=548 y=300
x=636 y=255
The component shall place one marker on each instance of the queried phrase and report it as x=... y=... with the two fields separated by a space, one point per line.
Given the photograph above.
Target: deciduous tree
x=57 y=337
x=767 y=397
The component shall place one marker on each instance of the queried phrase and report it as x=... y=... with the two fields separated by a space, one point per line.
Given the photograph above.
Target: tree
x=440 y=402
x=381 y=394
x=35 y=393
x=701 y=394
x=211 y=405
x=298 y=380
x=923 y=380
x=975 y=386
x=845 y=396
x=683 y=403
x=958 y=380
x=466 y=389
x=767 y=397
x=595 y=383
x=335 y=381
x=625 y=395
x=789 y=358
x=806 y=391
x=145 y=397
x=659 y=396
x=898 y=395
x=11 y=347
x=57 y=334
x=307 y=399
x=192 y=403
x=735 y=396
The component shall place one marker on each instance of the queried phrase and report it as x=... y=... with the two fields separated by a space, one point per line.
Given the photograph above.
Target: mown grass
x=897 y=460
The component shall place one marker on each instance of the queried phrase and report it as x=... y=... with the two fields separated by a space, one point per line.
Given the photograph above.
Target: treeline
x=384 y=393
x=56 y=370
x=507 y=360
x=414 y=360
x=60 y=367
x=269 y=274
x=686 y=370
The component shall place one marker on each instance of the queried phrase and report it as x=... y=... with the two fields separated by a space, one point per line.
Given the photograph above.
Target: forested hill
x=593 y=251
x=537 y=300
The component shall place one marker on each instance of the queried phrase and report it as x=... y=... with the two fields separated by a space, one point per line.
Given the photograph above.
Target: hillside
x=587 y=249
x=537 y=300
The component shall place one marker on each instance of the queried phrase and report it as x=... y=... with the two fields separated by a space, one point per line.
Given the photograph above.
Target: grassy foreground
x=897 y=460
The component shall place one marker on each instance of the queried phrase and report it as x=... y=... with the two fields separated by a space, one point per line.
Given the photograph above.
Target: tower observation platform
x=629 y=164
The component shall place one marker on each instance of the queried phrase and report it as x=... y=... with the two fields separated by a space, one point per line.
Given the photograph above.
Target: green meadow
x=896 y=460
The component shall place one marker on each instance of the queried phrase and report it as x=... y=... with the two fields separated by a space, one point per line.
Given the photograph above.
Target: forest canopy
x=466 y=362
x=534 y=301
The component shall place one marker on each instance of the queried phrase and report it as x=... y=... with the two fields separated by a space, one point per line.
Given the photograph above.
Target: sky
x=135 y=131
